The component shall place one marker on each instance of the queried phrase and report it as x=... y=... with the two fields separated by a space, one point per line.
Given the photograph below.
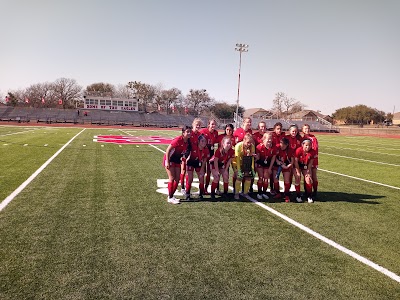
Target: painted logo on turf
x=162 y=185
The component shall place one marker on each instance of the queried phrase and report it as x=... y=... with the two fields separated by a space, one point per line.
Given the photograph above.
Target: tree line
x=67 y=93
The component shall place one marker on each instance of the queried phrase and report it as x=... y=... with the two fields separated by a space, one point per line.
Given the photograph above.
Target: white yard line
x=367 y=160
x=7 y=200
x=360 y=150
x=329 y=242
x=361 y=179
x=20 y=132
x=321 y=237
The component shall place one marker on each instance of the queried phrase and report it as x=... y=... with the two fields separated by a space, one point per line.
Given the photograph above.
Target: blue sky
x=326 y=54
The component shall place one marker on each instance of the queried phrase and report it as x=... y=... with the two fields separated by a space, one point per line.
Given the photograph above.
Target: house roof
x=251 y=111
x=305 y=112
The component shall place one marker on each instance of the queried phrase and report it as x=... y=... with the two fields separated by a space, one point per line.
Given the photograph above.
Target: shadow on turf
x=348 y=197
x=322 y=197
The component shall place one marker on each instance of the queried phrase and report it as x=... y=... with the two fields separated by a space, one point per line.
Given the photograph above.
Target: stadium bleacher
x=153 y=119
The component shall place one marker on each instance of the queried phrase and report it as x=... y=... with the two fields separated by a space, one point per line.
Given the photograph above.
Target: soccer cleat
x=287 y=200
x=173 y=200
x=183 y=193
x=187 y=196
x=259 y=196
x=247 y=196
x=273 y=193
x=236 y=196
x=265 y=196
x=219 y=193
x=310 y=200
x=277 y=196
x=201 y=197
x=298 y=199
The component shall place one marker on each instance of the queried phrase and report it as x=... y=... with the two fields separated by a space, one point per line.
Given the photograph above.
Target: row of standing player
x=272 y=153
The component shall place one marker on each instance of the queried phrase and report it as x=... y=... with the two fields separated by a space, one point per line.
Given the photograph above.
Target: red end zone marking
x=120 y=139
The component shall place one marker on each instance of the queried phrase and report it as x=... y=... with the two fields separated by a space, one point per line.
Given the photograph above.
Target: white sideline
x=360 y=258
x=329 y=242
x=355 y=158
x=352 y=177
x=20 y=132
x=19 y=189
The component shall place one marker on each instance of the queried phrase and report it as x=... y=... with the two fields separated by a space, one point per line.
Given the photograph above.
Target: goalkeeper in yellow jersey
x=244 y=164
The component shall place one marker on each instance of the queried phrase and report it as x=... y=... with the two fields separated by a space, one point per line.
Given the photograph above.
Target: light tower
x=241 y=48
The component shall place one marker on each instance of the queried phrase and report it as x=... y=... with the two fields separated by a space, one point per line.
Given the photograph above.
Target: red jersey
x=223 y=157
x=276 y=139
x=211 y=137
x=284 y=156
x=194 y=138
x=304 y=158
x=257 y=136
x=314 y=146
x=294 y=142
x=221 y=136
x=266 y=155
x=314 y=141
x=179 y=148
x=197 y=156
x=240 y=133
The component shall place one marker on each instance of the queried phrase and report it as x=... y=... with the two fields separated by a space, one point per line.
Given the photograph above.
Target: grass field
x=93 y=224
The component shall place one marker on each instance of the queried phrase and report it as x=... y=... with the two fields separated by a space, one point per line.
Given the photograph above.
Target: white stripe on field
x=19 y=189
x=365 y=180
x=359 y=150
x=372 y=161
x=322 y=238
x=17 y=132
x=329 y=242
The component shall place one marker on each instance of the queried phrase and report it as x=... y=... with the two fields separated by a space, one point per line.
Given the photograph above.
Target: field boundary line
x=19 y=189
x=359 y=150
x=361 y=179
x=372 y=161
x=329 y=241
x=341 y=248
x=7 y=134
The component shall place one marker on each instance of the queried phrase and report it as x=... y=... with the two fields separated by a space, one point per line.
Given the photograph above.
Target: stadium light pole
x=241 y=48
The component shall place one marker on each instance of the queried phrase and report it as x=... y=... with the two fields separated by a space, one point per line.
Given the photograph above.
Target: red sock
x=276 y=186
x=297 y=187
x=170 y=193
x=259 y=185
x=226 y=187
x=174 y=187
x=308 y=188
x=287 y=187
x=188 y=185
x=182 y=180
x=213 y=186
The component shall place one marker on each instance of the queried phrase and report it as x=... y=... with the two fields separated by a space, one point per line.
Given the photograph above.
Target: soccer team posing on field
x=267 y=154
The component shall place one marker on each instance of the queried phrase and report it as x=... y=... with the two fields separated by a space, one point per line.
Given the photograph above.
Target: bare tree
x=67 y=91
x=38 y=95
x=145 y=93
x=169 y=98
x=277 y=106
x=198 y=101
x=101 y=89
x=123 y=91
